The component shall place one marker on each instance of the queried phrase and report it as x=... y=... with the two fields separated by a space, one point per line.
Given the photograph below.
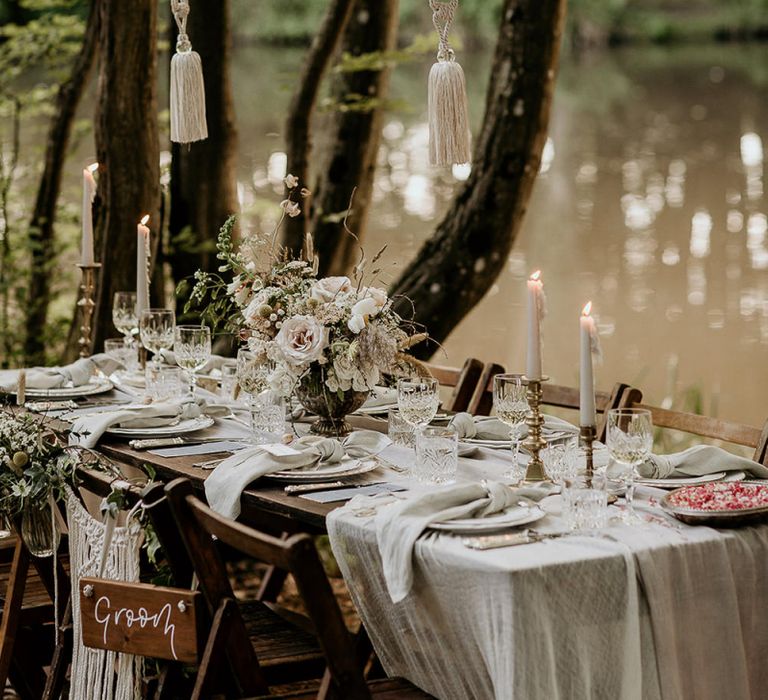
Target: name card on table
x=141 y=619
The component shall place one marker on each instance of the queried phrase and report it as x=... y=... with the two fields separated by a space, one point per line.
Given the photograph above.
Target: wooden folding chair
x=343 y=677
x=555 y=395
x=705 y=426
x=463 y=380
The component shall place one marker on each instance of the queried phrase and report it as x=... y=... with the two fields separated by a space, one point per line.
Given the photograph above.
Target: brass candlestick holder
x=588 y=436
x=87 y=306
x=534 y=443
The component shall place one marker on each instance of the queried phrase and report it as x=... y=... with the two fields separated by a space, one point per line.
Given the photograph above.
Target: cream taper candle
x=142 y=267
x=586 y=377
x=535 y=308
x=89 y=192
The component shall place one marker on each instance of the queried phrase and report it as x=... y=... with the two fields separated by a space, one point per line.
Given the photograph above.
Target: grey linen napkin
x=227 y=482
x=381 y=396
x=214 y=361
x=399 y=525
x=698 y=461
x=78 y=373
x=87 y=430
x=490 y=428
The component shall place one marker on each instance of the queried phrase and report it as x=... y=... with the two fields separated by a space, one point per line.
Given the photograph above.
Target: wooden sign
x=141 y=619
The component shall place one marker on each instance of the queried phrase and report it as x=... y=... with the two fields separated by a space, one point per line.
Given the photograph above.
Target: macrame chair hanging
x=187 y=87
x=449 y=134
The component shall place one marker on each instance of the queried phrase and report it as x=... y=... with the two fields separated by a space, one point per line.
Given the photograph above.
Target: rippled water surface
x=650 y=203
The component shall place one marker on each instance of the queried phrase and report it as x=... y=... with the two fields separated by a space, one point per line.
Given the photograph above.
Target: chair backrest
x=296 y=554
x=463 y=380
x=707 y=427
x=556 y=395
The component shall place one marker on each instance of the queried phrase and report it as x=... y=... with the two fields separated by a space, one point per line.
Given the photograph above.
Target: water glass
x=418 y=399
x=126 y=355
x=192 y=348
x=510 y=402
x=156 y=330
x=164 y=382
x=252 y=371
x=585 y=505
x=124 y=315
x=267 y=417
x=561 y=460
x=630 y=439
x=399 y=430
x=437 y=455
x=228 y=380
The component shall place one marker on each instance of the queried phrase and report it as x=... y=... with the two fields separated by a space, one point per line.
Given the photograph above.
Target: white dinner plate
x=98 y=385
x=677 y=483
x=511 y=517
x=188 y=425
x=375 y=410
x=330 y=472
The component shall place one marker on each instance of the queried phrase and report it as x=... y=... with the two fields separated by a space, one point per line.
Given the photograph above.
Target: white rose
x=301 y=340
x=356 y=323
x=378 y=295
x=328 y=288
x=366 y=307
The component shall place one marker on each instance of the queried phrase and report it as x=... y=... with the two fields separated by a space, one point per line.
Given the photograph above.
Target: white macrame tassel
x=187 y=87
x=449 y=133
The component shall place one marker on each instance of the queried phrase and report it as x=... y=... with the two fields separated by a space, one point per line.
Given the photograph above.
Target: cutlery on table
x=296 y=489
x=210 y=463
x=150 y=443
x=509 y=539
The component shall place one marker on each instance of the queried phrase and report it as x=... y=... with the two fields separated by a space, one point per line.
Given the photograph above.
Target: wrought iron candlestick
x=588 y=436
x=534 y=443
x=87 y=306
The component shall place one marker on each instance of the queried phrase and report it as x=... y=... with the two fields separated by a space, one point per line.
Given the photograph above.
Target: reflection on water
x=649 y=202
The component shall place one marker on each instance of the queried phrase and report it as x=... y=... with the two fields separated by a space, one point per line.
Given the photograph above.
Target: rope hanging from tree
x=449 y=134
x=187 y=88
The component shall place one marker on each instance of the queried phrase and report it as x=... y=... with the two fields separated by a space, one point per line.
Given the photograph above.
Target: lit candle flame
x=144 y=220
x=587 y=309
x=93 y=167
x=536 y=276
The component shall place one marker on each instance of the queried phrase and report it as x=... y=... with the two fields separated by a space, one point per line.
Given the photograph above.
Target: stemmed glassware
x=192 y=348
x=511 y=405
x=267 y=407
x=156 y=330
x=630 y=439
x=418 y=399
x=124 y=316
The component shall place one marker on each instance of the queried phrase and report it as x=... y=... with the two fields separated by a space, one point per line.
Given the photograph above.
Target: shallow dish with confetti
x=719 y=504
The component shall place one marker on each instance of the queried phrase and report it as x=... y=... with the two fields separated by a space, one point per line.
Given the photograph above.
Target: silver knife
x=296 y=489
x=150 y=443
x=509 y=539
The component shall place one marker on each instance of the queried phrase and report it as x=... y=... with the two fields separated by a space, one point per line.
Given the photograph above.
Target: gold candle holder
x=534 y=443
x=87 y=306
x=588 y=436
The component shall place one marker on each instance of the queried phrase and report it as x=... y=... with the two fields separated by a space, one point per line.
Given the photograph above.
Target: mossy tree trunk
x=455 y=268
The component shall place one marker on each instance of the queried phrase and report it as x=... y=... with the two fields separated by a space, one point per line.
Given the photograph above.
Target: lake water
x=650 y=203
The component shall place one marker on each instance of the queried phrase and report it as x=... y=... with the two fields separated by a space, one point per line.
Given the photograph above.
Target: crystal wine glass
x=266 y=407
x=156 y=329
x=193 y=349
x=630 y=439
x=124 y=315
x=510 y=402
x=418 y=400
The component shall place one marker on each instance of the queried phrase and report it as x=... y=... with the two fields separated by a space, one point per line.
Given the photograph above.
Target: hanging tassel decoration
x=449 y=134
x=187 y=88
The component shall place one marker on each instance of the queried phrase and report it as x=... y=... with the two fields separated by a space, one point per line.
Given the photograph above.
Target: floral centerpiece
x=328 y=341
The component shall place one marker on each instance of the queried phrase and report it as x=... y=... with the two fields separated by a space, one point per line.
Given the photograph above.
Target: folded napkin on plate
x=399 y=525
x=87 y=430
x=78 y=373
x=698 y=461
x=227 y=482
x=490 y=428
x=381 y=396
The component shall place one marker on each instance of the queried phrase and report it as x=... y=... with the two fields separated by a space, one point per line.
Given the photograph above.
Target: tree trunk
x=456 y=267
x=41 y=230
x=354 y=138
x=127 y=146
x=298 y=141
x=203 y=185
